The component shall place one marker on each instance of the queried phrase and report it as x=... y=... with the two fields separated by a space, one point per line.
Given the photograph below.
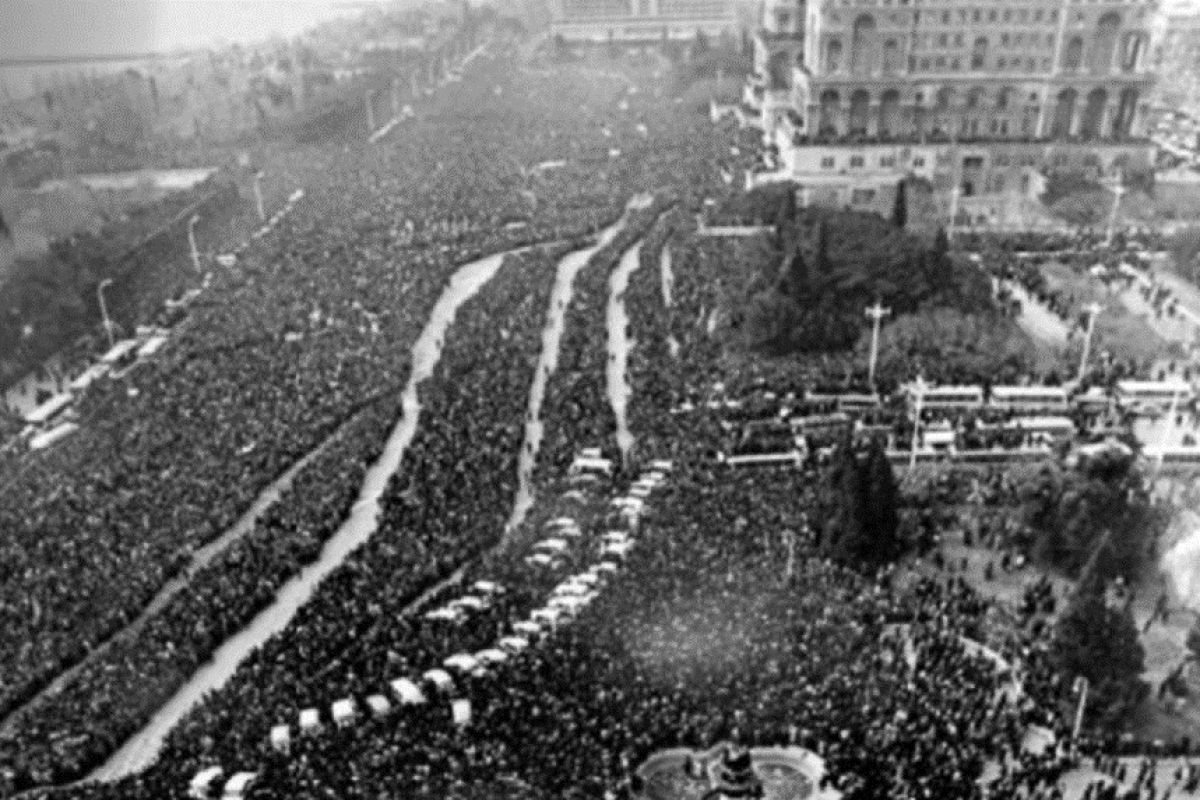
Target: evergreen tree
x=822 y=266
x=881 y=502
x=1101 y=644
x=859 y=503
x=941 y=243
x=900 y=208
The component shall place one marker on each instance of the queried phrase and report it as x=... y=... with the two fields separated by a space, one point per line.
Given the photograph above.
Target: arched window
x=1132 y=45
x=1064 y=113
x=1126 y=112
x=1106 y=43
x=862 y=46
x=891 y=57
x=831 y=113
x=779 y=71
x=1073 y=55
x=1093 y=114
x=979 y=53
x=889 y=113
x=833 y=55
x=860 y=107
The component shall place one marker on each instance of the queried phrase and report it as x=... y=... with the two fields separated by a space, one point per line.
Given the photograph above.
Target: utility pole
x=875 y=313
x=1092 y=310
x=919 y=388
x=1081 y=688
x=1117 y=190
x=108 y=325
x=192 y=243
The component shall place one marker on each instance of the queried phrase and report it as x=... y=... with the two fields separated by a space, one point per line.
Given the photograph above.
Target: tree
x=900 y=208
x=858 y=503
x=1101 y=644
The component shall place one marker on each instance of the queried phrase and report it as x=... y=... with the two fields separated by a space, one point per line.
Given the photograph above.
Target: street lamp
x=1092 y=311
x=192 y=243
x=876 y=313
x=1117 y=189
x=258 y=198
x=919 y=388
x=108 y=325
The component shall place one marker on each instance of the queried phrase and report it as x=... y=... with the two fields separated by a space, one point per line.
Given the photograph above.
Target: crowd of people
x=724 y=623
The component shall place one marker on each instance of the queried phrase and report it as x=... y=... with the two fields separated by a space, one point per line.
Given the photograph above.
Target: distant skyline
x=80 y=28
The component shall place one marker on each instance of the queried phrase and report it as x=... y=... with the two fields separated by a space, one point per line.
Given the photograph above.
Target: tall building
x=955 y=88
x=641 y=20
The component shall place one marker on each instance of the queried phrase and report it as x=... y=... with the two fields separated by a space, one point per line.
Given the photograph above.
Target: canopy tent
x=342 y=712
x=237 y=786
x=514 y=644
x=471 y=602
x=539 y=560
x=379 y=705
x=439 y=678
x=570 y=587
x=445 y=615
x=561 y=522
x=202 y=783
x=487 y=587
x=553 y=545
x=463 y=662
x=407 y=692
x=281 y=738
x=491 y=655
x=310 y=720
x=460 y=711
x=527 y=628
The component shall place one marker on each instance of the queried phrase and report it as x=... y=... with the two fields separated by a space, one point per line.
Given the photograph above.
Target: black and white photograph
x=600 y=399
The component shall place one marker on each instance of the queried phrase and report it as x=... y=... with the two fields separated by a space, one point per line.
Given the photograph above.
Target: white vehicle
x=1030 y=399
x=1152 y=397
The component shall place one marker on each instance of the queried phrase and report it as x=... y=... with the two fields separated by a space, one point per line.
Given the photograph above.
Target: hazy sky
x=30 y=28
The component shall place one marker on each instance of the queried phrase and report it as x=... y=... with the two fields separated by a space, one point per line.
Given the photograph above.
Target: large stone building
x=641 y=20
x=978 y=96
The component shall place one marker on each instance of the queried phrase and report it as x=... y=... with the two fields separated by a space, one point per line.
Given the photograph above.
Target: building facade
x=984 y=94
x=631 y=21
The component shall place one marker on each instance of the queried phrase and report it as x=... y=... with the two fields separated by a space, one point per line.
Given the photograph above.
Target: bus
x=1030 y=399
x=947 y=398
x=1152 y=397
x=46 y=414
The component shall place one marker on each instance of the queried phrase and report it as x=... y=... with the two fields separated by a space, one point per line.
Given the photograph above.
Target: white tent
x=237 y=786
x=462 y=662
x=471 y=602
x=487 y=587
x=310 y=720
x=547 y=617
x=491 y=655
x=614 y=537
x=439 y=678
x=662 y=465
x=342 y=712
x=638 y=491
x=570 y=587
x=570 y=605
x=590 y=452
x=553 y=545
x=562 y=522
x=539 y=560
x=527 y=628
x=619 y=550
x=460 y=711
x=586 y=578
x=445 y=615
x=514 y=644
x=606 y=567
x=281 y=738
x=379 y=705
x=202 y=783
x=407 y=692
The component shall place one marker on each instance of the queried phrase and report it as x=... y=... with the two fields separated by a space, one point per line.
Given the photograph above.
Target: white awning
x=379 y=705
x=527 y=628
x=514 y=644
x=439 y=678
x=281 y=738
x=239 y=784
x=462 y=662
x=407 y=692
x=310 y=720
x=492 y=655
x=342 y=711
x=201 y=784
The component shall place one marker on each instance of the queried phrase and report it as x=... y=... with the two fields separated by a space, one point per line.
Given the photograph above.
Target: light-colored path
x=560 y=301
x=140 y=750
x=619 y=344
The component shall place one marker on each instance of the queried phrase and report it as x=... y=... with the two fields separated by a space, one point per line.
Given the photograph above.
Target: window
x=827 y=162
x=856 y=161
x=887 y=162
x=862 y=196
x=918 y=161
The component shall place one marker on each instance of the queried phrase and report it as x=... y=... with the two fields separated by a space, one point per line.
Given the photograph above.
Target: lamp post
x=192 y=243
x=875 y=313
x=108 y=325
x=1092 y=311
x=1117 y=190
x=919 y=387
x=258 y=198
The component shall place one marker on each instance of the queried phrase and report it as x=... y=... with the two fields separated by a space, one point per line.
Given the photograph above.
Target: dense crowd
x=725 y=622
